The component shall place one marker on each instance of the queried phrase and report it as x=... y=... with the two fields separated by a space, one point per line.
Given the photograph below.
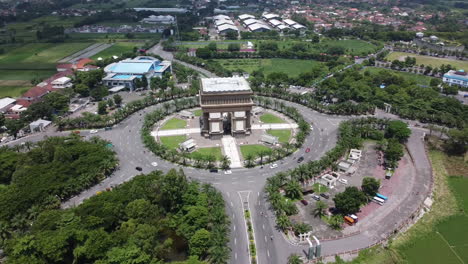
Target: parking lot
x=368 y=166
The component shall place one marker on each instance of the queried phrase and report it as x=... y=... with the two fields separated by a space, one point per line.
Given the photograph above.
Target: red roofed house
x=80 y=65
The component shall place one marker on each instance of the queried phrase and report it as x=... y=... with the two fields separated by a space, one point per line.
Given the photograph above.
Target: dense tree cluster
x=152 y=219
x=408 y=99
x=39 y=176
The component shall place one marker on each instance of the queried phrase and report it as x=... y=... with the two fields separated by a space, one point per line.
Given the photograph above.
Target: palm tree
x=250 y=160
x=336 y=221
x=294 y=259
x=225 y=162
x=319 y=210
x=261 y=154
x=210 y=159
x=283 y=222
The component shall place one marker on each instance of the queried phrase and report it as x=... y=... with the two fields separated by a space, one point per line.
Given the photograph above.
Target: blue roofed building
x=124 y=73
x=459 y=78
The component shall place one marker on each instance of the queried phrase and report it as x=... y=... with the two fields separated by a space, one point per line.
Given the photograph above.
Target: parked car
x=138 y=168
x=304 y=202
x=154 y=164
x=343 y=181
x=301 y=159
x=315 y=197
x=307 y=150
x=214 y=170
x=94 y=131
x=273 y=166
x=227 y=172
x=325 y=195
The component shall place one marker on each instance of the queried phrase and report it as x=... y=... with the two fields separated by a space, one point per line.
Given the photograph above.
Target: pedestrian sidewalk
x=175 y=132
x=230 y=150
x=274 y=126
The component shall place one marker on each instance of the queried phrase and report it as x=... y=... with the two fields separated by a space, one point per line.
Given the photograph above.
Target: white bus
x=378 y=200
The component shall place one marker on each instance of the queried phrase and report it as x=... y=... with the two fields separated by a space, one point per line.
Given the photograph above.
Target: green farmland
x=291 y=67
x=33 y=54
x=12 y=91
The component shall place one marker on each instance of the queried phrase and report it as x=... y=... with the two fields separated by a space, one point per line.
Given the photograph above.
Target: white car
x=343 y=181
x=94 y=131
x=227 y=172
x=273 y=166
x=154 y=164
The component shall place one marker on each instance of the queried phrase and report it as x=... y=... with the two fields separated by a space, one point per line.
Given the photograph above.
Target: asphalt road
x=131 y=152
x=271 y=247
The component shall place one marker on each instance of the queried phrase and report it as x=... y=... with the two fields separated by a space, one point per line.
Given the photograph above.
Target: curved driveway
x=131 y=152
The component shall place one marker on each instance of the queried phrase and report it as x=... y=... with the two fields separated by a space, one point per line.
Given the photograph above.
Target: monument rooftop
x=225 y=85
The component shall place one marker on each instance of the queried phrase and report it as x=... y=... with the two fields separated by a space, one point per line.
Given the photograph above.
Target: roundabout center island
x=228 y=125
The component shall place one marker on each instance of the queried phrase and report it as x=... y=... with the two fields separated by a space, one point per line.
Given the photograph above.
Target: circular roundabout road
x=248 y=184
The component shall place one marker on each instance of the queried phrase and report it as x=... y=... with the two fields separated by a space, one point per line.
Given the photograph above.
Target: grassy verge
x=247 y=150
x=172 y=142
x=213 y=151
x=284 y=135
x=174 y=123
x=271 y=119
x=197 y=112
x=117 y=49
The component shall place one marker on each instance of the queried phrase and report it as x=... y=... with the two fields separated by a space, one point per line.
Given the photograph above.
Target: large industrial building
x=124 y=73
x=226 y=105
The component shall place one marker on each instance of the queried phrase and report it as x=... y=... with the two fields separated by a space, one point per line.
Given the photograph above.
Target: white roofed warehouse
x=226 y=105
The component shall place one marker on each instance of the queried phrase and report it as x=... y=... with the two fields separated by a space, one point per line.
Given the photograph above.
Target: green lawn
x=41 y=53
x=352 y=46
x=428 y=60
x=418 y=78
x=172 y=142
x=174 y=123
x=284 y=135
x=319 y=188
x=12 y=91
x=247 y=150
x=117 y=49
x=268 y=118
x=197 y=112
x=291 y=67
x=215 y=151
x=459 y=185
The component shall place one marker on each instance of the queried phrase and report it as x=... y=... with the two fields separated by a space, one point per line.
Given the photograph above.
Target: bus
x=349 y=220
x=385 y=198
x=378 y=200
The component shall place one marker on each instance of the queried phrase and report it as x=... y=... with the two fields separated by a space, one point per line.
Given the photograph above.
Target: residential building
x=159 y=20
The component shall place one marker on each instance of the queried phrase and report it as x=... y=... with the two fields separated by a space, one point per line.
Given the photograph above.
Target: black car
x=214 y=170
x=138 y=168
x=301 y=159
x=325 y=195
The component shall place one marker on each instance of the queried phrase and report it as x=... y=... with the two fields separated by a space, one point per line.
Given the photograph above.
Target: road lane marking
x=235 y=241
x=232 y=205
x=263 y=226
x=268 y=253
x=265 y=239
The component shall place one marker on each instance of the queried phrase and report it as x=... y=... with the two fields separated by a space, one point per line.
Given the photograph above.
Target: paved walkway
x=175 y=132
x=230 y=150
x=274 y=126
